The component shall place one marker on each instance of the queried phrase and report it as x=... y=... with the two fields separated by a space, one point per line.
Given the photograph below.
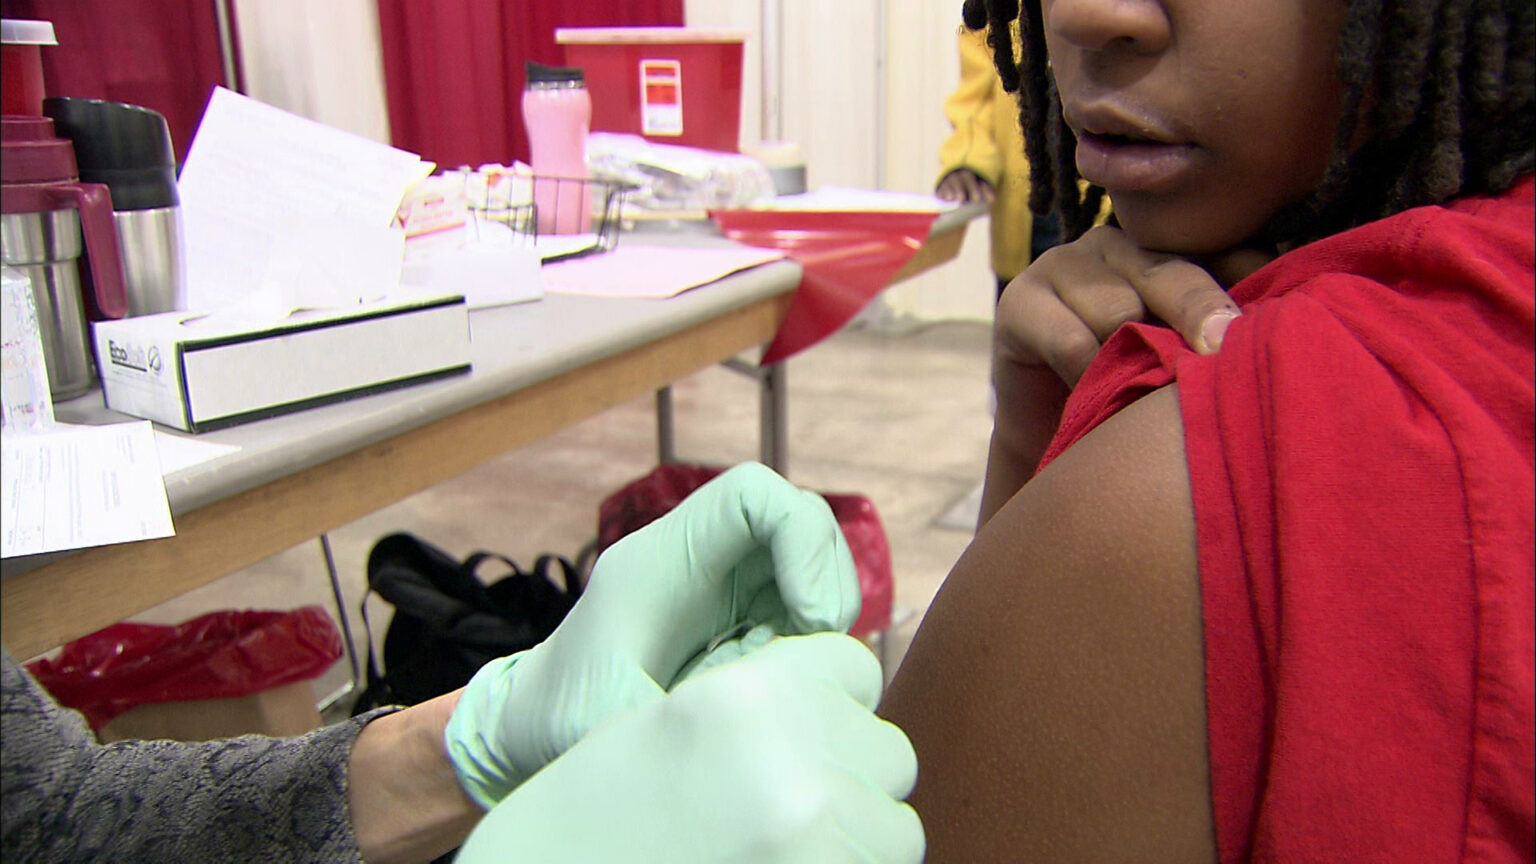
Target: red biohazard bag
x=647 y=498
x=848 y=258
x=221 y=655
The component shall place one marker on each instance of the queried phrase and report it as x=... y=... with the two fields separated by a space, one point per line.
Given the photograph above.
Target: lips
x=1124 y=152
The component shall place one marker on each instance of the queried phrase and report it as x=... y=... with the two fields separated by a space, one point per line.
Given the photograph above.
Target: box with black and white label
x=200 y=372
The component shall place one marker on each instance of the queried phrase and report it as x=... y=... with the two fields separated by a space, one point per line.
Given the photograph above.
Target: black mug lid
x=127 y=147
x=538 y=73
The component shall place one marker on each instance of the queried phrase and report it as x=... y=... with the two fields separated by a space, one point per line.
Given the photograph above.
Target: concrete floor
x=898 y=415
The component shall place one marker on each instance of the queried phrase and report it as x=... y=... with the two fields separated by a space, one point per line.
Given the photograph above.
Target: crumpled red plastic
x=648 y=498
x=220 y=655
x=848 y=259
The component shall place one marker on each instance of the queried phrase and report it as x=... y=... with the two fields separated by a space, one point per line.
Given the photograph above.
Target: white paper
x=487 y=275
x=557 y=246
x=79 y=486
x=843 y=198
x=265 y=192
x=635 y=270
x=178 y=452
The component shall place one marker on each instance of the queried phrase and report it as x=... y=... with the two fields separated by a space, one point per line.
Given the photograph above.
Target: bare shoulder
x=1055 y=690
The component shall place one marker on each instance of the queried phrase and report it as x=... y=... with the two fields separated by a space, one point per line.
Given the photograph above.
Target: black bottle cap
x=538 y=73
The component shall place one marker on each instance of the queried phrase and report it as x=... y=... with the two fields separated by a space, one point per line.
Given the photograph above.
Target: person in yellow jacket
x=983 y=160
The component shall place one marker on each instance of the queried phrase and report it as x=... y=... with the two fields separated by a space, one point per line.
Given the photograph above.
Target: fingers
x=964 y=185
x=1213 y=331
x=816 y=577
x=865 y=745
x=726 y=652
x=1035 y=326
x=951 y=188
x=812 y=565
x=840 y=660
x=878 y=751
x=980 y=190
x=1100 y=293
x=881 y=832
x=809 y=700
x=747 y=508
x=1060 y=310
x=879 y=762
x=661 y=593
x=1179 y=292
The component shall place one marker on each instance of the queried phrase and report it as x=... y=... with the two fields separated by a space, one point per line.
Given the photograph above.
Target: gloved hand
x=745 y=553
x=776 y=758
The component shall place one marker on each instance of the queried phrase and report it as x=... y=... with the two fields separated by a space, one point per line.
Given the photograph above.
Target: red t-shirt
x=1360 y=455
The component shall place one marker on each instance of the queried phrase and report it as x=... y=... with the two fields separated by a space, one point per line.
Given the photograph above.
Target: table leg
x=773 y=413
x=773 y=410
x=345 y=621
x=666 y=442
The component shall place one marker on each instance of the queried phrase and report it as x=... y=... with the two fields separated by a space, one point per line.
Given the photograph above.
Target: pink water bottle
x=557 y=112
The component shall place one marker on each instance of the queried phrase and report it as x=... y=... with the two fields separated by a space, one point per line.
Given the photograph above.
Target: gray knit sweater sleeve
x=64 y=797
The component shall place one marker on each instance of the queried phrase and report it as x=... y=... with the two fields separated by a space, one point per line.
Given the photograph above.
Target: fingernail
x=1215 y=329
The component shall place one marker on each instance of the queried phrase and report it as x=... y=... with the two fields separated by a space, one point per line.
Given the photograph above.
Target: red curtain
x=160 y=54
x=453 y=69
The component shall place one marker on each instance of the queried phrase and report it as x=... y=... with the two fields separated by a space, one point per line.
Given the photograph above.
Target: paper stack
x=293 y=280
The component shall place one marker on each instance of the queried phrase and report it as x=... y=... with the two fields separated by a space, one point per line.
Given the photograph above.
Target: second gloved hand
x=776 y=759
x=747 y=552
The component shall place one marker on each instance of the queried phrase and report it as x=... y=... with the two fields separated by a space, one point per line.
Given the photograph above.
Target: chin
x=1157 y=230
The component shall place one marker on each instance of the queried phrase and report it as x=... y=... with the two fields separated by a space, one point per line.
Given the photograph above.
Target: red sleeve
x=1360 y=458
x=1361 y=464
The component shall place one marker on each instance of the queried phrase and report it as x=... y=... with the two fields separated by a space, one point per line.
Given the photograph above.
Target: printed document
x=78 y=486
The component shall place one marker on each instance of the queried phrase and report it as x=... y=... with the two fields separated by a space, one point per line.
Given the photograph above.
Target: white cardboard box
x=196 y=372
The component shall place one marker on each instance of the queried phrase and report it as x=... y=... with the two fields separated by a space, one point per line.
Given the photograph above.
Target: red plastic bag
x=648 y=498
x=848 y=258
x=871 y=556
x=221 y=655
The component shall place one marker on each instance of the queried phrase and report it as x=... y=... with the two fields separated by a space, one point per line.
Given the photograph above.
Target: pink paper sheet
x=636 y=270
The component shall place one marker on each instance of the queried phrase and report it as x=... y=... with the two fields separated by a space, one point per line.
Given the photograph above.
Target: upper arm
x=1055 y=691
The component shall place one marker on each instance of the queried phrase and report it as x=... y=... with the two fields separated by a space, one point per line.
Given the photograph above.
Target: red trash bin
x=221 y=674
x=647 y=498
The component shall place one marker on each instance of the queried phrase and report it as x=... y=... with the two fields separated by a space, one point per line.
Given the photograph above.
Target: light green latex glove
x=776 y=758
x=745 y=553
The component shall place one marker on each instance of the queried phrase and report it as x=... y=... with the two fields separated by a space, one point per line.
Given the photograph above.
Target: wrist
x=404 y=797
x=484 y=733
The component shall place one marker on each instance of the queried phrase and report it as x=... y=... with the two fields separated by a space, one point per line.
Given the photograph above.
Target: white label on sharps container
x=661 y=97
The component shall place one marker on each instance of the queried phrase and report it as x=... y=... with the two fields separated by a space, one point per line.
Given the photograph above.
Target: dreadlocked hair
x=1444 y=89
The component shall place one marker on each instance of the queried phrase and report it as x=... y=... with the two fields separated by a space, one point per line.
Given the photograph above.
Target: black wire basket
x=561 y=217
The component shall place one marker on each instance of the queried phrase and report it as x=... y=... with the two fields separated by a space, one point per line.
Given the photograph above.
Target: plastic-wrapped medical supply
x=433 y=214
x=672 y=178
x=498 y=187
x=27 y=402
x=466 y=207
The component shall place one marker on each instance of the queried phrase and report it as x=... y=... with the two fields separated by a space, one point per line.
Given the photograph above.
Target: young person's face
x=1203 y=118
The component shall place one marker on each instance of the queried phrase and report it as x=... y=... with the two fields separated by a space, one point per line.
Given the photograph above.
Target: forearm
x=1029 y=405
x=404 y=798
x=969 y=110
x=68 y=798
x=1007 y=473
